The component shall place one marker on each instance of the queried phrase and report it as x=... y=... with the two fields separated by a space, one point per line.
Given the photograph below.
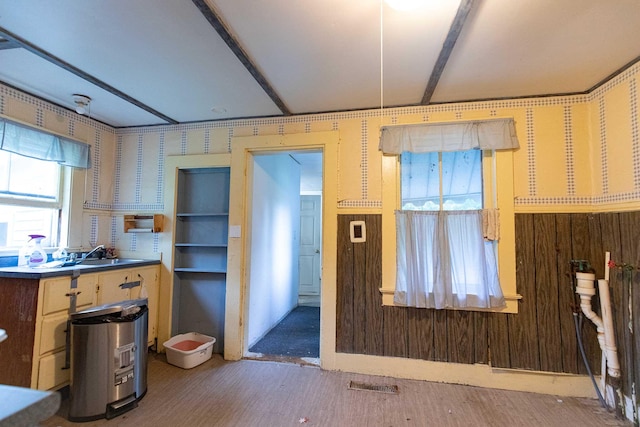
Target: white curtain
x=443 y=261
x=30 y=142
x=492 y=134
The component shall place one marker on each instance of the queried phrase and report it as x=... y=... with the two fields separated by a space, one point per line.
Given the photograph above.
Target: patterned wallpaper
x=565 y=159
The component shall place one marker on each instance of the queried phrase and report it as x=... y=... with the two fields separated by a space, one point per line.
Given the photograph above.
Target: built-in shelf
x=198 y=270
x=187 y=215
x=143 y=223
x=201 y=245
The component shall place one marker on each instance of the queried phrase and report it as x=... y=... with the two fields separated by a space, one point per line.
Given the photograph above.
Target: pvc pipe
x=613 y=365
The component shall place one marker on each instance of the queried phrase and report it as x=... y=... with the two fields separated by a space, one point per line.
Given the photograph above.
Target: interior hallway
x=258 y=393
x=297 y=335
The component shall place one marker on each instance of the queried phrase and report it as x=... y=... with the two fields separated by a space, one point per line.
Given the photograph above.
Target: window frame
x=69 y=203
x=498 y=193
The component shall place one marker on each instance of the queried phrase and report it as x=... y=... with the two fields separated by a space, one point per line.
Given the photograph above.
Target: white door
x=310 y=231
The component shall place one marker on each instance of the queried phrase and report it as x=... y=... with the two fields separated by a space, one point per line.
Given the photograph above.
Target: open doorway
x=284 y=268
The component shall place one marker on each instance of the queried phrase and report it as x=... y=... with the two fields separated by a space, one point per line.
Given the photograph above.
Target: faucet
x=91 y=252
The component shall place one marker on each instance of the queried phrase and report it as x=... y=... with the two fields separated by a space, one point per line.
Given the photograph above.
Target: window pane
x=30 y=200
x=22 y=176
x=420 y=177
x=17 y=222
x=462 y=180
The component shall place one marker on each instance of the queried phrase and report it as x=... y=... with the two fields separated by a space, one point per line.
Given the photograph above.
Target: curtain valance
x=493 y=134
x=28 y=141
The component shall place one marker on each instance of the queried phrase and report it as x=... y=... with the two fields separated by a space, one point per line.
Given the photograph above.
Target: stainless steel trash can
x=108 y=360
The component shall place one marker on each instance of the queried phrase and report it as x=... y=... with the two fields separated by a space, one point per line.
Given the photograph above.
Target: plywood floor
x=271 y=394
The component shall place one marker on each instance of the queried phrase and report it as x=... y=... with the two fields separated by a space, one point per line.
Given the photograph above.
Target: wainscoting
x=540 y=337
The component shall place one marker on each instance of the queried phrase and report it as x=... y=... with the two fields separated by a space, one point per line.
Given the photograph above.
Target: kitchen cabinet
x=121 y=285
x=200 y=252
x=49 y=368
x=37 y=314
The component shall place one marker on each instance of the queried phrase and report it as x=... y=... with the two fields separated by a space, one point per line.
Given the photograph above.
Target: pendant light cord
x=381 y=60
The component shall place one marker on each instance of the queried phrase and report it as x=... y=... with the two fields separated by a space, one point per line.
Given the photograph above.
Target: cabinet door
x=148 y=277
x=52 y=373
x=87 y=289
x=109 y=289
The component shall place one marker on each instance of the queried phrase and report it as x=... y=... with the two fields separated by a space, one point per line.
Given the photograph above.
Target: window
x=444 y=176
x=30 y=200
x=32 y=183
x=443 y=261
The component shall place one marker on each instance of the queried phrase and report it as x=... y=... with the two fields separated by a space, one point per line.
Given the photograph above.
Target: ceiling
x=150 y=62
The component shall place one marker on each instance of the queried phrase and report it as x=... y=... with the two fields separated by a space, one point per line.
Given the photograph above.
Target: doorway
x=284 y=287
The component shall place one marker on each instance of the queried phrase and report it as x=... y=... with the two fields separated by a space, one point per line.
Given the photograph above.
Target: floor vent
x=382 y=388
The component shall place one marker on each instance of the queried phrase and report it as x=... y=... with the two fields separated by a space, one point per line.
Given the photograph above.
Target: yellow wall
x=578 y=153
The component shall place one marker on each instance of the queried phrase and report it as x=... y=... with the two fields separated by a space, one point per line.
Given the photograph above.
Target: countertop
x=39 y=273
x=26 y=407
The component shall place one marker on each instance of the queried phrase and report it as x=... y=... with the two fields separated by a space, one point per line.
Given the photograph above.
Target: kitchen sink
x=106 y=261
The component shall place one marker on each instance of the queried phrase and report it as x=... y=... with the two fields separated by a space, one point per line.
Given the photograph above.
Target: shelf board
x=201 y=245
x=197 y=270
x=189 y=215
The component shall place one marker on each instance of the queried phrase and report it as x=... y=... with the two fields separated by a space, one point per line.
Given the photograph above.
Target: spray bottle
x=32 y=254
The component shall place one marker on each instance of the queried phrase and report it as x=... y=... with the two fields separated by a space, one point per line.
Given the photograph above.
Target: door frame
x=243 y=149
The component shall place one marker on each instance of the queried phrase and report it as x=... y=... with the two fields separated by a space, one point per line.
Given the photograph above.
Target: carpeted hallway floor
x=297 y=335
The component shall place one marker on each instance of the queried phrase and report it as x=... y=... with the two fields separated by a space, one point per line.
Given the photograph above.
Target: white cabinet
x=121 y=285
x=49 y=349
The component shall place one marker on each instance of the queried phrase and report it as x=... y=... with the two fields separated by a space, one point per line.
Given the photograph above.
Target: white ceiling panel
x=514 y=48
x=325 y=55
x=21 y=69
x=146 y=62
x=162 y=53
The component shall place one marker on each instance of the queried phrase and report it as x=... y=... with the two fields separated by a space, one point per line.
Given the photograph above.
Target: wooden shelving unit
x=151 y=223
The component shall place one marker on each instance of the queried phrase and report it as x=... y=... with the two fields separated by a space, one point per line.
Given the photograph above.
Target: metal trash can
x=108 y=360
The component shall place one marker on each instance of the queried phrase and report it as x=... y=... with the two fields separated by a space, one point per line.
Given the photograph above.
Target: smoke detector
x=82 y=103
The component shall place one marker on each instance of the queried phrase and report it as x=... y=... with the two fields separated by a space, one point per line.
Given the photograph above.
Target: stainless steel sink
x=105 y=261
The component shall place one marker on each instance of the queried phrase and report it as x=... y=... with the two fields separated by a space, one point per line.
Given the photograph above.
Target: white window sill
x=512 y=302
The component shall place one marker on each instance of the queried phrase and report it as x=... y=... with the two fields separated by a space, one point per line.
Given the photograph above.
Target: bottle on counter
x=32 y=254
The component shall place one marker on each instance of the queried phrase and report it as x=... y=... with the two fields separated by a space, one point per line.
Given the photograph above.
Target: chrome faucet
x=91 y=252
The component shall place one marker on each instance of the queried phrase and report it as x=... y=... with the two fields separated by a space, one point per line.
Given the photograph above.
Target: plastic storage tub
x=189 y=350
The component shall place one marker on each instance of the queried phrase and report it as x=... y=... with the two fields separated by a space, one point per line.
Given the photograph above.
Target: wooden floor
x=271 y=394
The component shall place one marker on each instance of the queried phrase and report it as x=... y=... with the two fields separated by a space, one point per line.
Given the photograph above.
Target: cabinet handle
x=129 y=285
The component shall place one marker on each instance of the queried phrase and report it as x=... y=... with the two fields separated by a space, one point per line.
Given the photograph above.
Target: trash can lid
x=112 y=308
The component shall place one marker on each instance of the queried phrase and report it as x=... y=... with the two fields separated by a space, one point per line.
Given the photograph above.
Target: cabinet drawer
x=56 y=293
x=53 y=333
x=50 y=372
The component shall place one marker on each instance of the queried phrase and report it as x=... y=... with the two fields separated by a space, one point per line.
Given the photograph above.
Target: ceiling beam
x=8 y=44
x=216 y=22
x=5 y=34
x=447 y=48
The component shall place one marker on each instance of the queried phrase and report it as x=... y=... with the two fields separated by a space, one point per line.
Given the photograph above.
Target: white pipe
x=613 y=365
x=586 y=289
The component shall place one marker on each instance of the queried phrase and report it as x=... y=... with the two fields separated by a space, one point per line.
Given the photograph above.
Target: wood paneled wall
x=540 y=337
